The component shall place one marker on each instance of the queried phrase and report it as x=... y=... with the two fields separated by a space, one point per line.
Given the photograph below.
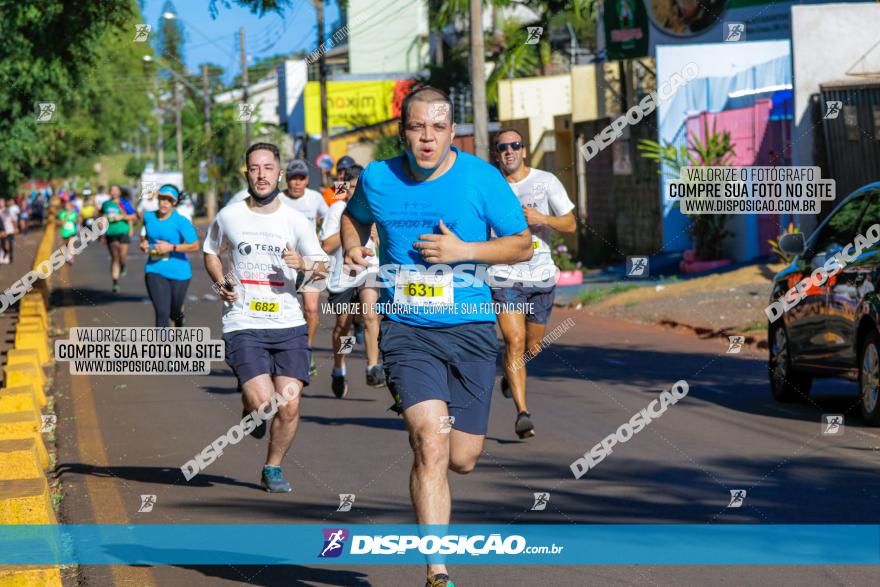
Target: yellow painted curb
x=18 y=425
x=22 y=373
x=31 y=338
x=19 y=399
x=31 y=320
x=26 y=501
x=29 y=316
x=19 y=459
x=34 y=389
x=24 y=357
x=34 y=303
x=29 y=576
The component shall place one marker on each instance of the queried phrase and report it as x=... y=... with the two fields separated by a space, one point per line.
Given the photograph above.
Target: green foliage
x=134 y=167
x=595 y=295
x=713 y=150
x=66 y=53
x=783 y=256
x=516 y=60
x=561 y=256
x=387 y=147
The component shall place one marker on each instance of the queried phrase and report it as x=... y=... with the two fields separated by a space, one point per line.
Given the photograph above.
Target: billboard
x=635 y=28
x=351 y=104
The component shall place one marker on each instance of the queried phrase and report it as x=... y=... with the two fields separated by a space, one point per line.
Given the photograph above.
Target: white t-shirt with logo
x=254 y=243
x=311 y=205
x=543 y=191
x=338 y=282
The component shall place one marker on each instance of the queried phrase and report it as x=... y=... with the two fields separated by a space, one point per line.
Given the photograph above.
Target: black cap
x=297 y=167
x=344 y=163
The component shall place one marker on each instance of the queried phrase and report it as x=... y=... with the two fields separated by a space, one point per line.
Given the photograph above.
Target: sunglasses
x=501 y=147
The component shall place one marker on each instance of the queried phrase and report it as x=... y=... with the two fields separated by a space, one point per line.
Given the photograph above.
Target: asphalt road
x=123 y=436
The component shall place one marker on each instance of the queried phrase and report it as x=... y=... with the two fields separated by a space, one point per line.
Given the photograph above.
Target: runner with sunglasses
x=528 y=288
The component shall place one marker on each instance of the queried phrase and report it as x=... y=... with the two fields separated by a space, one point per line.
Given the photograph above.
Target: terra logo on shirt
x=245 y=248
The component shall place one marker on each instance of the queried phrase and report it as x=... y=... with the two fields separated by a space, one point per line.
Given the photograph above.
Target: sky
x=216 y=40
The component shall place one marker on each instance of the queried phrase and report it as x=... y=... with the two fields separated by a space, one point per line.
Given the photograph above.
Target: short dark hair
x=353 y=172
x=504 y=130
x=425 y=94
x=263 y=147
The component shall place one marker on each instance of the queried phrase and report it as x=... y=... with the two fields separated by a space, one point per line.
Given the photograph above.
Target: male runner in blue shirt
x=436 y=205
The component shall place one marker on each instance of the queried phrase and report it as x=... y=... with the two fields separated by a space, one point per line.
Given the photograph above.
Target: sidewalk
x=720 y=304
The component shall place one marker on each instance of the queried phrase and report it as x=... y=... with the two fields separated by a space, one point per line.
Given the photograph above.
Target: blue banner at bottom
x=276 y=544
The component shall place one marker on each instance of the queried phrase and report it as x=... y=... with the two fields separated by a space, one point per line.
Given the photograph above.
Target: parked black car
x=834 y=331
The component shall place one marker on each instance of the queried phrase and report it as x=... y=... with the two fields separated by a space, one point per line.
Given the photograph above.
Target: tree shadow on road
x=158 y=475
x=736 y=382
x=87 y=296
x=265 y=570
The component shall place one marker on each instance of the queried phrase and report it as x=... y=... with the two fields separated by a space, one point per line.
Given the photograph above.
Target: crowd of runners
x=275 y=247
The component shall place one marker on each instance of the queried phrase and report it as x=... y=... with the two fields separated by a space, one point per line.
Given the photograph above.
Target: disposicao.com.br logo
x=430 y=544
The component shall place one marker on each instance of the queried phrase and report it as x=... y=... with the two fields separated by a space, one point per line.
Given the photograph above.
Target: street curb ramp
x=25 y=496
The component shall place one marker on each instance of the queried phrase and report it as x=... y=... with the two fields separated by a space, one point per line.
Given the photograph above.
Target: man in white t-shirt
x=311 y=205
x=346 y=292
x=527 y=289
x=270 y=246
x=101 y=197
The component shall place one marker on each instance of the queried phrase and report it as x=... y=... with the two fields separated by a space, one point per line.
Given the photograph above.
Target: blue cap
x=169 y=191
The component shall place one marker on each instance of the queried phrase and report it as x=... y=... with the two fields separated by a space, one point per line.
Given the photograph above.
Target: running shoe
x=273 y=480
x=359 y=332
x=505 y=388
x=339 y=386
x=376 y=376
x=524 y=428
x=179 y=322
x=439 y=580
x=260 y=430
x=123 y=272
x=115 y=288
x=313 y=369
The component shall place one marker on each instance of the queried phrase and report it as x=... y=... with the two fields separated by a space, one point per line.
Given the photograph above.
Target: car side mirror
x=792 y=243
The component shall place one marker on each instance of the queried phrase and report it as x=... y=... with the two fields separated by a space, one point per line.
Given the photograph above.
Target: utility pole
x=244 y=82
x=178 y=124
x=211 y=196
x=322 y=76
x=160 y=142
x=478 y=82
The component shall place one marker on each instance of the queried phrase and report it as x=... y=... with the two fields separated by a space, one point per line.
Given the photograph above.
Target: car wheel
x=869 y=379
x=786 y=384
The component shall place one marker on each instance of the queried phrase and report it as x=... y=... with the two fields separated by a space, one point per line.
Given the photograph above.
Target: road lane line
x=107 y=504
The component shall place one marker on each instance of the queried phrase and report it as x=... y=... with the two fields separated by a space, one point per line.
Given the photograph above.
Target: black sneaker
x=376 y=376
x=524 y=428
x=179 y=322
x=505 y=388
x=339 y=386
x=260 y=430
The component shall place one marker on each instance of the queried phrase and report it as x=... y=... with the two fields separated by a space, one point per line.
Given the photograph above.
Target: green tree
x=59 y=52
x=714 y=149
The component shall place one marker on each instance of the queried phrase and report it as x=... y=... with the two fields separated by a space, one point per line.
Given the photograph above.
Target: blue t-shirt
x=471 y=198
x=126 y=205
x=177 y=230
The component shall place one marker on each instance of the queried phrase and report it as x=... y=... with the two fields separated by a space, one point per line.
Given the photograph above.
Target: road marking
x=107 y=505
